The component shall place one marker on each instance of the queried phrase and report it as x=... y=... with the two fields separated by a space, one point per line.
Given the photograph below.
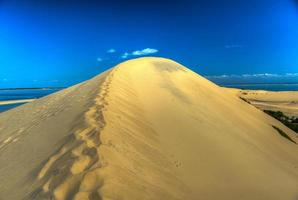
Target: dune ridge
x=148 y=128
x=84 y=154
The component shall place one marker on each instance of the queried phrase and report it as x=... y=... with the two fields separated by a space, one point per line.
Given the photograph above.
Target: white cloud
x=143 y=52
x=261 y=75
x=99 y=59
x=292 y=74
x=111 y=51
x=125 y=55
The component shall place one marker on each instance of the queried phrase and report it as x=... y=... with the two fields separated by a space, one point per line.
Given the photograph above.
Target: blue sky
x=59 y=43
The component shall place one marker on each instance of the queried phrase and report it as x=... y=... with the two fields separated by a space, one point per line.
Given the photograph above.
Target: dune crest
x=148 y=128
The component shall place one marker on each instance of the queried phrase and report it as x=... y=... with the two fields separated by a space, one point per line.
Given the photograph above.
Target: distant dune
x=148 y=129
x=286 y=102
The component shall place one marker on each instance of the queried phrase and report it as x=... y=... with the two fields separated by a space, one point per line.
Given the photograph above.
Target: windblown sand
x=148 y=128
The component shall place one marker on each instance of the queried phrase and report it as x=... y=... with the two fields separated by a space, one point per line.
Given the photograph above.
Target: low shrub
x=289 y=122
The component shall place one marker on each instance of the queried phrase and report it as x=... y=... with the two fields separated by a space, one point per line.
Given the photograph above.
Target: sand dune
x=148 y=128
x=286 y=102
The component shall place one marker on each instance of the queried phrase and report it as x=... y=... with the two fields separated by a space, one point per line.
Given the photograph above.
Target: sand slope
x=147 y=129
x=286 y=102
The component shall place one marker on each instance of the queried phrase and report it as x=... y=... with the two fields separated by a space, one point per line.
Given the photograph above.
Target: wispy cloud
x=231 y=46
x=111 y=51
x=99 y=59
x=292 y=74
x=260 y=75
x=125 y=55
x=143 y=52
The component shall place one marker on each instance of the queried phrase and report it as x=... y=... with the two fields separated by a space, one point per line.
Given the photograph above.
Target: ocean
x=17 y=94
x=9 y=106
x=269 y=87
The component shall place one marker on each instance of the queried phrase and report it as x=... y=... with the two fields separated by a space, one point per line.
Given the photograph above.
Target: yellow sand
x=147 y=129
x=286 y=102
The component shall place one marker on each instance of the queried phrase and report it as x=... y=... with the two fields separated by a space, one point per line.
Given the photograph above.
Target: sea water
x=269 y=87
x=19 y=94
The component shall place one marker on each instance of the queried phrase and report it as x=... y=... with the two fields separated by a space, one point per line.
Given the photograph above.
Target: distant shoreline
x=251 y=84
x=8 y=102
x=43 y=88
x=273 y=87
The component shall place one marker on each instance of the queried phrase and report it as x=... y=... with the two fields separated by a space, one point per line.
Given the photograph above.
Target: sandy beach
x=16 y=101
x=149 y=128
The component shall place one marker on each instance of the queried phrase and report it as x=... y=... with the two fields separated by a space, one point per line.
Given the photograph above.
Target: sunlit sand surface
x=286 y=102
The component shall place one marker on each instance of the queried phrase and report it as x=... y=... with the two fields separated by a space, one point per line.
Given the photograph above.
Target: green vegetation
x=291 y=123
x=295 y=121
x=283 y=134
